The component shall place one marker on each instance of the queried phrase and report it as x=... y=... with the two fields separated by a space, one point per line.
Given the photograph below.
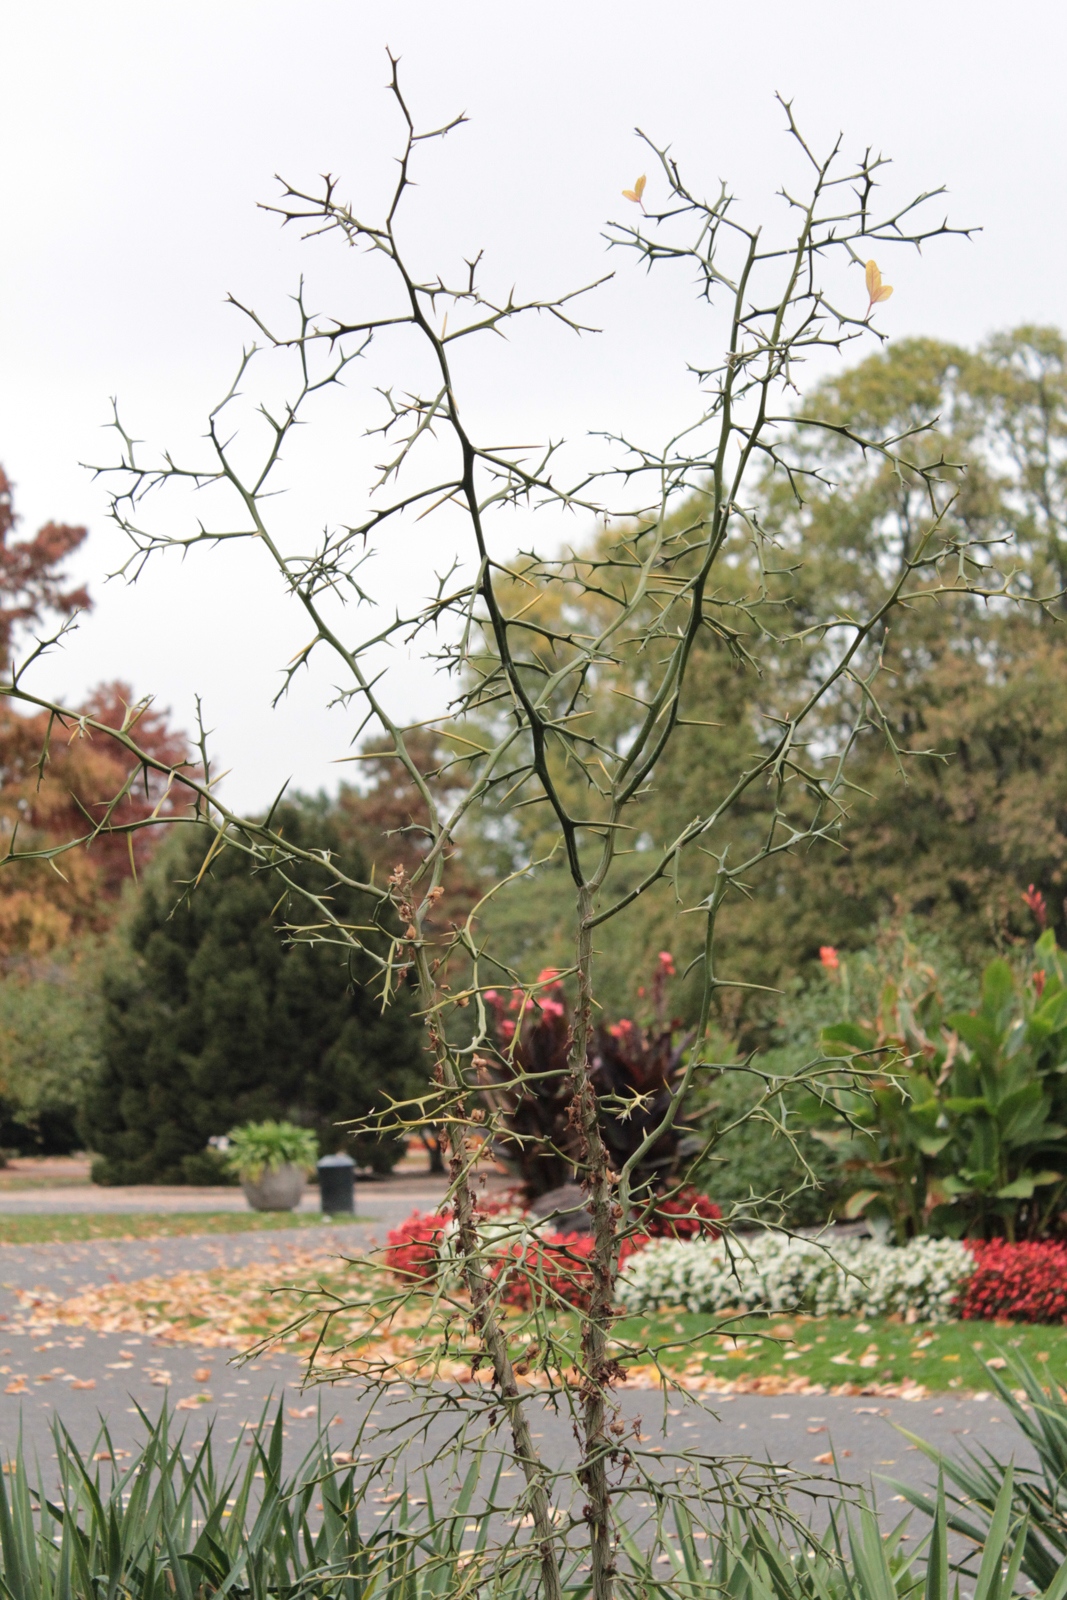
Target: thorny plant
x=681 y=521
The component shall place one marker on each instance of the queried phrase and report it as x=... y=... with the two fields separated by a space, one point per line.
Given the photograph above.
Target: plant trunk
x=596 y=1325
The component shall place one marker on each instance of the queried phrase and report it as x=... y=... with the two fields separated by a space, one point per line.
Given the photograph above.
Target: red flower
x=829 y=957
x=1022 y=1282
x=1036 y=901
x=555 y=1268
x=687 y=1215
x=413 y=1247
x=666 y=961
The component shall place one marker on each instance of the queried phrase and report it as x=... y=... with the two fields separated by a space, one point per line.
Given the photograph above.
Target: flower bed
x=1021 y=1282
x=417 y=1247
x=771 y=1272
x=928 y=1280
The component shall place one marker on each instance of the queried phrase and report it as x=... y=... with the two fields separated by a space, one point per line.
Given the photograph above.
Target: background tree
x=56 y=777
x=953 y=833
x=81 y=780
x=212 y=1019
x=33 y=586
x=50 y=1019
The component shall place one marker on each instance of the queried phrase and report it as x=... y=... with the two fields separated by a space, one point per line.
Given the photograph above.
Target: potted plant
x=272 y=1160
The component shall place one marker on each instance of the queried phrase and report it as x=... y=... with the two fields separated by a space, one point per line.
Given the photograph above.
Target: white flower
x=775 y=1273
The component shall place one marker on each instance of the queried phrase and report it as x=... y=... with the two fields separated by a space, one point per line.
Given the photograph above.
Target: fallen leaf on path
x=192 y=1402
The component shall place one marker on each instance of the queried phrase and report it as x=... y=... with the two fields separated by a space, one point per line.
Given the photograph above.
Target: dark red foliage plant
x=633 y=1068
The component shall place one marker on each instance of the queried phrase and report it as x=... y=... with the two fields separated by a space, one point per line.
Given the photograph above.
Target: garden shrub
x=754 y=1169
x=634 y=1067
x=952 y=1122
x=211 y=1019
x=50 y=1021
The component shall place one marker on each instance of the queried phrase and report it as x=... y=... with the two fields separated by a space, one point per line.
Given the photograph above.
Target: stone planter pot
x=275 y=1191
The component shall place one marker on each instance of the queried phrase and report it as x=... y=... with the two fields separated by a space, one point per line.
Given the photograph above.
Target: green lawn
x=42 y=1228
x=836 y=1350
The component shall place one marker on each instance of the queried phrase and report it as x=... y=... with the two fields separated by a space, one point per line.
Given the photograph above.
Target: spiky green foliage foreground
x=175 y=1524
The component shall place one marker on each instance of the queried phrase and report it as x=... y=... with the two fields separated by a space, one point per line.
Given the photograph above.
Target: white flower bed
x=770 y=1272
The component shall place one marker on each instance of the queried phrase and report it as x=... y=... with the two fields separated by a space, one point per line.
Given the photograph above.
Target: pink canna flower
x=1036 y=901
x=829 y=957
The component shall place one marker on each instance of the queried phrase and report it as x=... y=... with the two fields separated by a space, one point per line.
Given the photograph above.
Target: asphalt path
x=83 y=1380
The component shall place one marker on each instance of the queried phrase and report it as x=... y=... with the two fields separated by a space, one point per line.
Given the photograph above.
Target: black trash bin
x=337 y=1185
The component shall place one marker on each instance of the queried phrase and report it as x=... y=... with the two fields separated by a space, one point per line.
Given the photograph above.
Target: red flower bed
x=556 y=1265
x=1023 y=1282
x=688 y=1215
x=413 y=1247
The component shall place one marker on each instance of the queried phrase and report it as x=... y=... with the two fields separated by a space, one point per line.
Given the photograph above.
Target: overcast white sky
x=136 y=139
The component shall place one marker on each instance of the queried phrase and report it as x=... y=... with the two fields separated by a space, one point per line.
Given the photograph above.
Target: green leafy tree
x=211 y=1018
x=953 y=815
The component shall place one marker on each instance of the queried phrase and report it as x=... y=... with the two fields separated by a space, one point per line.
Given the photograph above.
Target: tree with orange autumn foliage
x=56 y=780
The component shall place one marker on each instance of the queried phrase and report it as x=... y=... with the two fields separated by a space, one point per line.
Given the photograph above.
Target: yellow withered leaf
x=637 y=191
x=876 y=289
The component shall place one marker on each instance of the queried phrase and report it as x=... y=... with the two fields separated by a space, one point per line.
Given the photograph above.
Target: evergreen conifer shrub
x=212 y=1019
